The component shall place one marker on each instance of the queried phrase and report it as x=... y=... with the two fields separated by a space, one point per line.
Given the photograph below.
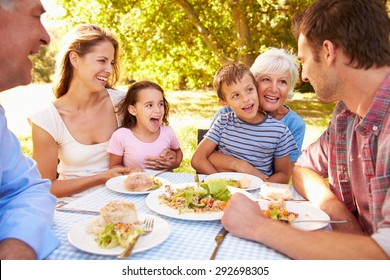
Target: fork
x=148 y=228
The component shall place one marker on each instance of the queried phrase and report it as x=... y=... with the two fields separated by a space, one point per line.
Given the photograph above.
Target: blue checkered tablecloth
x=188 y=240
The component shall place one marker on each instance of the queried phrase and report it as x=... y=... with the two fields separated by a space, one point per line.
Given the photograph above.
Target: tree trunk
x=246 y=53
x=208 y=38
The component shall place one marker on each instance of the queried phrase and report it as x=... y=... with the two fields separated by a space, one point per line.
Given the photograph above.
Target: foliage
x=44 y=61
x=179 y=43
x=26 y=145
x=43 y=66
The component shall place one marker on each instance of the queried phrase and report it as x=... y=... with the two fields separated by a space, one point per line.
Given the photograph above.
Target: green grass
x=188 y=112
x=311 y=110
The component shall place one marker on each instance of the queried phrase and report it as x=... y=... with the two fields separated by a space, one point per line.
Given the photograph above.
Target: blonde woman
x=70 y=137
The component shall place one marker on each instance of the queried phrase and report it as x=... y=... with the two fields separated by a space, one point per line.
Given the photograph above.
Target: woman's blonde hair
x=81 y=40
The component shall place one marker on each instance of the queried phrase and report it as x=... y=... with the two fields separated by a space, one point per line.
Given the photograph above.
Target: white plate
x=256 y=182
x=84 y=241
x=116 y=184
x=275 y=190
x=153 y=202
x=305 y=212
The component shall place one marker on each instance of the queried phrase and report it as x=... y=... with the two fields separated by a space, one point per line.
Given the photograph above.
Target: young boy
x=245 y=133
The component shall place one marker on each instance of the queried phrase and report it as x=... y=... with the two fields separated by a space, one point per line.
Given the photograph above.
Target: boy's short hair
x=230 y=73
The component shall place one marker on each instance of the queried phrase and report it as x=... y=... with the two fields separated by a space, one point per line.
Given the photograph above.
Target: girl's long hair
x=128 y=120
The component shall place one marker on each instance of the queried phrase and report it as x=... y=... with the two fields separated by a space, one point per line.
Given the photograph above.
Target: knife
x=219 y=239
x=74 y=210
x=160 y=172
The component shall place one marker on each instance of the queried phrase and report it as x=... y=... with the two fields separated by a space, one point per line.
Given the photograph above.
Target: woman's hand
x=115 y=171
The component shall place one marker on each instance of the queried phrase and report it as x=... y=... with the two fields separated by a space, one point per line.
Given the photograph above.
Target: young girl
x=145 y=133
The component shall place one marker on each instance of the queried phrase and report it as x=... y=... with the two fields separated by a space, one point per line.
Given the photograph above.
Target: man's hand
x=241 y=216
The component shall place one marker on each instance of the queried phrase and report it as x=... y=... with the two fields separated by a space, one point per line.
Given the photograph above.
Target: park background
x=178 y=44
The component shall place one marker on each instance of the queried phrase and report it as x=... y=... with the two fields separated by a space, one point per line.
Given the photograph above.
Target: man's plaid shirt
x=328 y=155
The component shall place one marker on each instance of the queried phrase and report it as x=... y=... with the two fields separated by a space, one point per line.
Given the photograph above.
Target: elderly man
x=26 y=205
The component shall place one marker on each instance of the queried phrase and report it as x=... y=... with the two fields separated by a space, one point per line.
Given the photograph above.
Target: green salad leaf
x=113 y=236
x=219 y=189
x=107 y=238
x=192 y=198
x=156 y=183
x=125 y=237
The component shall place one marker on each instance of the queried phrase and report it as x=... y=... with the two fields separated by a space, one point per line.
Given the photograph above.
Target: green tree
x=44 y=63
x=181 y=43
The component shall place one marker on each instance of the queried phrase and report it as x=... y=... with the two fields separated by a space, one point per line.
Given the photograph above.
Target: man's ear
x=330 y=52
x=223 y=103
x=74 y=58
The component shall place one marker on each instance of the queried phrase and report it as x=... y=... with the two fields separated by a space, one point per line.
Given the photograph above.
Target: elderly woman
x=276 y=72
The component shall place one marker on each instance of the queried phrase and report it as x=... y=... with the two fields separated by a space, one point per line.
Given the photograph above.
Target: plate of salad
x=294 y=212
x=191 y=201
x=79 y=237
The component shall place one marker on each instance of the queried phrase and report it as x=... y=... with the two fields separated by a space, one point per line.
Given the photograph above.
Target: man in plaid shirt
x=345 y=53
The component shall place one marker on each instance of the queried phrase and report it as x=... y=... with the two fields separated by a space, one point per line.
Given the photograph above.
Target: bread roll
x=244 y=182
x=96 y=226
x=136 y=168
x=118 y=211
x=138 y=181
x=274 y=191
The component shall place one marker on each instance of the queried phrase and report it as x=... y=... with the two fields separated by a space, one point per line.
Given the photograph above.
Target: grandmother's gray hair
x=7 y=5
x=277 y=61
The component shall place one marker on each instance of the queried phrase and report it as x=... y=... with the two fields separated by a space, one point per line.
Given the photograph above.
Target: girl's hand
x=155 y=163
x=168 y=154
x=166 y=160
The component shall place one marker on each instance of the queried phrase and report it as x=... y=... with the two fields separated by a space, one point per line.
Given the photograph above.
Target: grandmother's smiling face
x=273 y=90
